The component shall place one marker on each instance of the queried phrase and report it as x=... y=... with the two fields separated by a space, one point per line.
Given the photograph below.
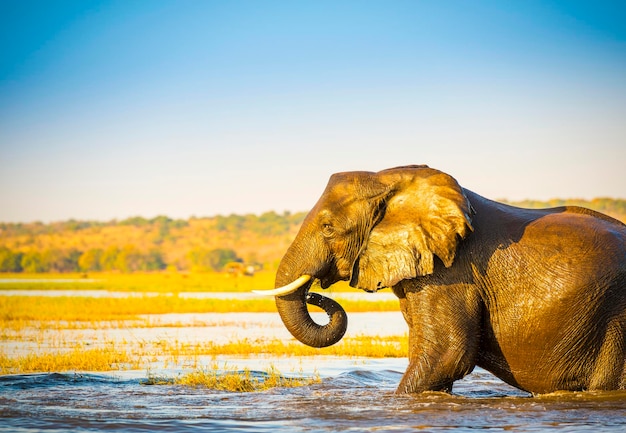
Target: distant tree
x=220 y=256
x=74 y=225
x=32 y=262
x=108 y=259
x=128 y=259
x=162 y=226
x=213 y=260
x=154 y=261
x=270 y=223
x=90 y=260
x=134 y=221
x=55 y=260
x=197 y=259
x=10 y=261
x=231 y=223
x=613 y=207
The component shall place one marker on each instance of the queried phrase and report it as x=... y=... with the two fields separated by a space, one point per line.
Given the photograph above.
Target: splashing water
x=353 y=394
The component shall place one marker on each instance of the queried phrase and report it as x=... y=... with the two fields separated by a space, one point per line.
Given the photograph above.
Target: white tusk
x=285 y=290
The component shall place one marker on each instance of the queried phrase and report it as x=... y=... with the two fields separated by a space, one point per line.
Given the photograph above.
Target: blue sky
x=111 y=109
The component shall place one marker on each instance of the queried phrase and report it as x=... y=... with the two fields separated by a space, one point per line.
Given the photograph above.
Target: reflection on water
x=357 y=398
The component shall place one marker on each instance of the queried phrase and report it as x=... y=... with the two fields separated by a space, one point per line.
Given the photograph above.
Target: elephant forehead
x=352 y=184
x=348 y=176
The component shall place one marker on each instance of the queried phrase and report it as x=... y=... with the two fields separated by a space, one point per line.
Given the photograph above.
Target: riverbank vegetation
x=139 y=244
x=142 y=282
x=79 y=359
x=116 y=356
x=196 y=244
x=72 y=330
x=233 y=380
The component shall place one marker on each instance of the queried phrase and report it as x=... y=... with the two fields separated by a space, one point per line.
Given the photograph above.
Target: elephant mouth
x=325 y=283
x=333 y=273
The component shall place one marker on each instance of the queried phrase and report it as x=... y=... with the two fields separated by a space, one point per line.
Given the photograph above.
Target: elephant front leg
x=444 y=337
x=435 y=370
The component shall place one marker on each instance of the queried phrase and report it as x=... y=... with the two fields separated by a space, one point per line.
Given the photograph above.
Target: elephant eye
x=327 y=229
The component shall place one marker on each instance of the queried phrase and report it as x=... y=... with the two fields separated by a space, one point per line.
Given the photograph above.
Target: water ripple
x=355 y=399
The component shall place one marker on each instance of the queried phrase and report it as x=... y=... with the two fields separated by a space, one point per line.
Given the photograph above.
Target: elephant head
x=374 y=230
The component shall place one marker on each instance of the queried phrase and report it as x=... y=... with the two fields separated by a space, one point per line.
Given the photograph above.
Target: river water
x=350 y=397
x=355 y=394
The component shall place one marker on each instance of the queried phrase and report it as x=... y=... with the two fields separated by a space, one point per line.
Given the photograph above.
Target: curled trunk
x=295 y=315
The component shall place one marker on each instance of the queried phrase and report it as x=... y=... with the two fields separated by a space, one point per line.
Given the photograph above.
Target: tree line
x=610 y=206
x=204 y=244
x=140 y=244
x=126 y=259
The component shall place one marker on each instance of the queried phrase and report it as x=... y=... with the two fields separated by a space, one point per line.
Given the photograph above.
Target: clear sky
x=112 y=109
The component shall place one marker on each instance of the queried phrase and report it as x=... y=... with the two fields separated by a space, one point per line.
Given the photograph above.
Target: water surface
x=349 y=398
x=355 y=394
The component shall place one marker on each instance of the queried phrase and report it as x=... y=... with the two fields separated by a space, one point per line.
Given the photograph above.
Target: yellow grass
x=359 y=346
x=77 y=359
x=140 y=282
x=112 y=357
x=163 y=282
x=17 y=311
x=233 y=380
x=77 y=308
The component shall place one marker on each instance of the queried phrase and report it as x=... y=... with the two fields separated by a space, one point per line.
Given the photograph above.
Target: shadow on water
x=356 y=399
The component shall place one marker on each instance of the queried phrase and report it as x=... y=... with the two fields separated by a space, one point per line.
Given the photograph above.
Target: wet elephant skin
x=537 y=297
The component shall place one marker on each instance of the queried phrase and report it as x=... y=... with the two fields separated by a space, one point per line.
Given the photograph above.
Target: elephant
x=535 y=296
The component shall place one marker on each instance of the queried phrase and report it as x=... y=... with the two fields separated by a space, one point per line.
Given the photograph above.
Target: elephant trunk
x=295 y=315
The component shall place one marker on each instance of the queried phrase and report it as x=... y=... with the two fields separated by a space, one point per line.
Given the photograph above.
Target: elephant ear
x=425 y=214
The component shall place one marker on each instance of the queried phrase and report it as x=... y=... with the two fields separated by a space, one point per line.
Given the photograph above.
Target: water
x=351 y=398
x=355 y=394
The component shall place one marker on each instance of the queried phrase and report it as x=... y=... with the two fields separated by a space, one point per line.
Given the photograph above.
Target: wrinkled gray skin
x=537 y=297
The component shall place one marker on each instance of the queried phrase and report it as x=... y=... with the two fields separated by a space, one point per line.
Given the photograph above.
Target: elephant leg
x=426 y=373
x=444 y=337
x=610 y=366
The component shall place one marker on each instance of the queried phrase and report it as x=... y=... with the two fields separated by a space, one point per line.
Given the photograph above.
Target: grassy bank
x=161 y=282
x=73 y=360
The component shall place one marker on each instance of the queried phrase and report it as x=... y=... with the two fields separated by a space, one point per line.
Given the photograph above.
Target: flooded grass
x=74 y=360
x=63 y=355
x=360 y=346
x=233 y=380
x=69 y=333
